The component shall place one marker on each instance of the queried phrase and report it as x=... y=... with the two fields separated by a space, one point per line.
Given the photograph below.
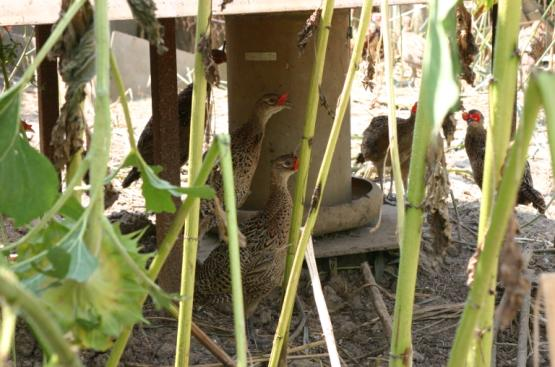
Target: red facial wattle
x=282 y=99
x=26 y=126
x=465 y=116
x=296 y=165
x=475 y=117
x=414 y=108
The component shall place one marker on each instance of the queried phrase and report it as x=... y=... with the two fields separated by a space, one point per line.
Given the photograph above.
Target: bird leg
x=221 y=222
x=251 y=332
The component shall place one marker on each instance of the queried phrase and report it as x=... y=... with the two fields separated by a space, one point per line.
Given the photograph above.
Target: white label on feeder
x=260 y=56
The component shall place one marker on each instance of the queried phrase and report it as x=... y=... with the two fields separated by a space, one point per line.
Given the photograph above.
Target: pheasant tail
x=132 y=176
x=532 y=195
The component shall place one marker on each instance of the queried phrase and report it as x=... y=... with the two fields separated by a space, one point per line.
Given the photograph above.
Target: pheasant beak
x=26 y=126
x=414 y=108
x=296 y=165
x=282 y=100
x=471 y=117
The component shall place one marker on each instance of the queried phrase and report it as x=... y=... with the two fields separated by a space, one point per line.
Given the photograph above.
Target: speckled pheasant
x=146 y=139
x=246 y=144
x=184 y=102
x=375 y=143
x=263 y=260
x=475 y=145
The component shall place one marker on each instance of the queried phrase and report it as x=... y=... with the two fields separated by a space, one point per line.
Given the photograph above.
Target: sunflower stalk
x=439 y=91
x=392 y=125
x=100 y=143
x=234 y=255
x=502 y=97
x=167 y=245
x=190 y=242
x=306 y=146
x=7 y=332
x=40 y=320
x=123 y=100
x=502 y=209
x=306 y=232
x=308 y=134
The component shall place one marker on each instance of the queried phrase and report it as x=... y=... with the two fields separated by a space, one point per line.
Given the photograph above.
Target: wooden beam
x=22 y=12
x=163 y=70
x=47 y=78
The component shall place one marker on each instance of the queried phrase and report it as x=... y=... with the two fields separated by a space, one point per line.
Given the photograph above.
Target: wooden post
x=163 y=70
x=47 y=76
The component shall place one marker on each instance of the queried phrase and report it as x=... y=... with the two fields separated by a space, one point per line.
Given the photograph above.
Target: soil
x=441 y=286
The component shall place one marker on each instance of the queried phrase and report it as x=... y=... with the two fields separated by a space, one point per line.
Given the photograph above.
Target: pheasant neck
x=279 y=194
x=258 y=120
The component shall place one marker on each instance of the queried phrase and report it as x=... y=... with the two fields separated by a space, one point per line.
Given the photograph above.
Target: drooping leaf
x=129 y=243
x=29 y=183
x=97 y=310
x=72 y=209
x=60 y=260
x=81 y=262
x=9 y=117
x=158 y=192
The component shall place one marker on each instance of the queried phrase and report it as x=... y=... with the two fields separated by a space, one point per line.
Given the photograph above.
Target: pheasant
x=184 y=102
x=263 y=260
x=146 y=139
x=475 y=146
x=375 y=143
x=246 y=144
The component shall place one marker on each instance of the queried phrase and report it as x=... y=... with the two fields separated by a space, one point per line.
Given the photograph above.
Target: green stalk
x=35 y=313
x=308 y=134
x=234 y=255
x=438 y=92
x=100 y=142
x=124 y=105
x=546 y=82
x=502 y=98
x=293 y=282
x=501 y=212
x=312 y=104
x=166 y=246
x=391 y=116
x=190 y=242
x=9 y=318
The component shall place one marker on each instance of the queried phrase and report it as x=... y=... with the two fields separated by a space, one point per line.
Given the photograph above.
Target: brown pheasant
x=146 y=139
x=263 y=260
x=475 y=145
x=145 y=145
x=375 y=143
x=246 y=143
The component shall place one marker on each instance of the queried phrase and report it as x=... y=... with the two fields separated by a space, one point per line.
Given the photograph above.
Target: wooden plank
x=47 y=78
x=163 y=69
x=22 y=12
x=356 y=241
x=361 y=240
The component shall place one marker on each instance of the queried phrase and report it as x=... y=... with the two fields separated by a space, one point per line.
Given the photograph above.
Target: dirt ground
x=441 y=290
